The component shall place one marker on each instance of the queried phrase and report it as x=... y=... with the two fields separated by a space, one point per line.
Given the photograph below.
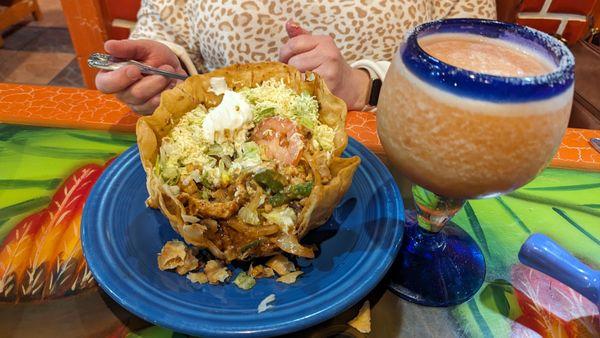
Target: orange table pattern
x=63 y=107
x=90 y=109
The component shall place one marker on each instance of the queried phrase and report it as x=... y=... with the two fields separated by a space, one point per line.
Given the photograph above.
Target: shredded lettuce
x=263 y=112
x=248 y=215
x=244 y=281
x=306 y=110
x=284 y=217
x=248 y=156
x=324 y=136
x=184 y=146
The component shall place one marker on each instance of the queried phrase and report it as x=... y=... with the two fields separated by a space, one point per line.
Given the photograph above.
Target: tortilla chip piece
x=289 y=278
x=260 y=271
x=195 y=91
x=216 y=272
x=362 y=322
x=189 y=263
x=197 y=277
x=280 y=264
x=176 y=255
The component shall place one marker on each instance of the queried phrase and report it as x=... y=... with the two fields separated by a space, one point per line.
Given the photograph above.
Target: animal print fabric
x=217 y=33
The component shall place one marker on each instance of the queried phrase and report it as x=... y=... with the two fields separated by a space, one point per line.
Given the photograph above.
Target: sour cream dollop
x=231 y=114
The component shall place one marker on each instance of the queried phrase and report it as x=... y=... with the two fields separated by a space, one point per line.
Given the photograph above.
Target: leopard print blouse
x=216 y=33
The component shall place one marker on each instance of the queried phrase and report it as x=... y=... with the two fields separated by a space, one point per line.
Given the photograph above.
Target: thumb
x=127 y=49
x=293 y=29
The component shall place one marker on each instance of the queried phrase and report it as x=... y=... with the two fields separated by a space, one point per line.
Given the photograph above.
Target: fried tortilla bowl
x=224 y=235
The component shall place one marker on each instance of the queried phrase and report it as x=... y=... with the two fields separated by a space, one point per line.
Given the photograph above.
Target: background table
x=55 y=142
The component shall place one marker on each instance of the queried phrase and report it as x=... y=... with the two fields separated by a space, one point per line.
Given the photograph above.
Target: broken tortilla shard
x=197 y=277
x=176 y=255
x=362 y=322
x=289 y=278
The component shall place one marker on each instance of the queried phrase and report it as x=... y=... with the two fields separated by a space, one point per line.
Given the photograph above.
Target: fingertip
x=293 y=29
x=99 y=82
x=103 y=81
x=155 y=101
x=167 y=68
x=133 y=72
x=117 y=80
x=290 y=25
x=109 y=45
x=126 y=49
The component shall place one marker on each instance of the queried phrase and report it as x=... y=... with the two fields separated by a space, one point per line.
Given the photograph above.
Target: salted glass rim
x=446 y=76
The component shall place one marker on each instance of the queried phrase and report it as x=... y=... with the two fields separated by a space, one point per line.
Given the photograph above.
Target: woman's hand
x=319 y=53
x=140 y=93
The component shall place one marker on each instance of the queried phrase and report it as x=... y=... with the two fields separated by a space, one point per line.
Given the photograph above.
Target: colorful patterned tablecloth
x=55 y=142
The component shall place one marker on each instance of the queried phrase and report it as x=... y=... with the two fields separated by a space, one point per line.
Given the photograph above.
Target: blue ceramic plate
x=121 y=238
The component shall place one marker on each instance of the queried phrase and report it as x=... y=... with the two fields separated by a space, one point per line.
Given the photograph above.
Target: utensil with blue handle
x=543 y=254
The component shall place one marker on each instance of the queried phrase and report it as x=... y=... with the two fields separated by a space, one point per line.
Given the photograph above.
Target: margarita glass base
x=437 y=269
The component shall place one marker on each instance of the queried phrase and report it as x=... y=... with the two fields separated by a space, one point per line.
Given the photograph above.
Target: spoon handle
x=145 y=69
x=543 y=254
x=107 y=62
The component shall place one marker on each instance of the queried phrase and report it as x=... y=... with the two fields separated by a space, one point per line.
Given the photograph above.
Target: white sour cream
x=231 y=114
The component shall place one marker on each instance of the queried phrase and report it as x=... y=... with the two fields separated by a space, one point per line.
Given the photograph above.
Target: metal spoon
x=595 y=142
x=108 y=62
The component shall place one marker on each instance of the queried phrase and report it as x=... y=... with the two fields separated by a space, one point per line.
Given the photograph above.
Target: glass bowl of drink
x=469 y=109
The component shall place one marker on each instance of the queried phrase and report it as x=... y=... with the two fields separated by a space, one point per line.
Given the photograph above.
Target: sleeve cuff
x=181 y=53
x=377 y=69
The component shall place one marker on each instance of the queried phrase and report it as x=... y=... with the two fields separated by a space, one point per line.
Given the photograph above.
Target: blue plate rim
x=338 y=305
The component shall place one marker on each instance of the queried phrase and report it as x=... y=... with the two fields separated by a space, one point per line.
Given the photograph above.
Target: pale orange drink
x=464 y=147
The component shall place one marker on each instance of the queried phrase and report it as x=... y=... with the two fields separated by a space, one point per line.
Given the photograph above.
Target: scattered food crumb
x=176 y=255
x=189 y=263
x=289 y=278
x=197 y=277
x=362 y=322
x=264 y=304
x=244 y=281
x=216 y=272
x=281 y=265
x=260 y=271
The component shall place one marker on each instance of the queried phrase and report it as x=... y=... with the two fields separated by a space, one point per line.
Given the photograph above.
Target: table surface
x=54 y=141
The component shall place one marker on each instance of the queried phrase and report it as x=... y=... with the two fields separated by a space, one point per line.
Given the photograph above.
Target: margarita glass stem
x=434 y=211
x=439 y=263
